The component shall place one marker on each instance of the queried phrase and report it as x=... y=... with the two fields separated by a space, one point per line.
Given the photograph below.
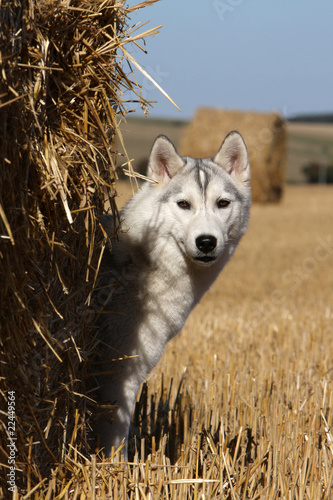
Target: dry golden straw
x=66 y=81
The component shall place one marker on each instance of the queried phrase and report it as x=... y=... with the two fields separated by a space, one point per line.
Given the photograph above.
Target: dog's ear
x=164 y=161
x=233 y=157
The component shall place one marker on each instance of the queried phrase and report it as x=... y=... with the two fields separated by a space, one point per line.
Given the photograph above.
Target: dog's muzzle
x=206 y=243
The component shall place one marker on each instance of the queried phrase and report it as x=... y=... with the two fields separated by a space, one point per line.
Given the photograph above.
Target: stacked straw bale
x=62 y=87
x=265 y=138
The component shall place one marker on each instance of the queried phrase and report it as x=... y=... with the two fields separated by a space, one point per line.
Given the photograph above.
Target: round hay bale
x=265 y=138
x=61 y=90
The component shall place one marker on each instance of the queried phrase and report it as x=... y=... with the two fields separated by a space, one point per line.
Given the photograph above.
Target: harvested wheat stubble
x=62 y=92
x=265 y=138
x=241 y=404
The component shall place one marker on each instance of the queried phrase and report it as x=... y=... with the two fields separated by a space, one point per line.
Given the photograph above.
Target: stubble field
x=241 y=403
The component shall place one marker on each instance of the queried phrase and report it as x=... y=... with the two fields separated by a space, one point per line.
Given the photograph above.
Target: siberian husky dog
x=177 y=233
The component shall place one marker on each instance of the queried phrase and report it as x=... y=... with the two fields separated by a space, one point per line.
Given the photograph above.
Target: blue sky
x=238 y=54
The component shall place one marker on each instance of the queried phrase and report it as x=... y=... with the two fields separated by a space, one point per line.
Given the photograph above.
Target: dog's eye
x=223 y=203
x=184 y=204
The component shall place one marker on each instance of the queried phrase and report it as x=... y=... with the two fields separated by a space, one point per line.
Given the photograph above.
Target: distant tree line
x=316 y=172
x=315 y=118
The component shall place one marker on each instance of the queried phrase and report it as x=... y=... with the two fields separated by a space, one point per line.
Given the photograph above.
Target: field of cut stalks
x=241 y=404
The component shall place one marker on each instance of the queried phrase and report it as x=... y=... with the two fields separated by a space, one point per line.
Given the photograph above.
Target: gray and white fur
x=176 y=236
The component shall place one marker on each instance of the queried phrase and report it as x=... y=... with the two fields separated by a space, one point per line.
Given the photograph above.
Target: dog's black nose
x=206 y=243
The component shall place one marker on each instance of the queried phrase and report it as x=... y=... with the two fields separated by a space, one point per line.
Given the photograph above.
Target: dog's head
x=205 y=202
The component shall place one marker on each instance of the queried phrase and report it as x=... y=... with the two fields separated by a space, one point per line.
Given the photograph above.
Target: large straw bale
x=62 y=86
x=265 y=138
